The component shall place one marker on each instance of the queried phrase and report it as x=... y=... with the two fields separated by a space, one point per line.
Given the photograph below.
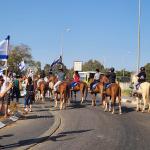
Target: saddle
x=108 y=85
x=94 y=85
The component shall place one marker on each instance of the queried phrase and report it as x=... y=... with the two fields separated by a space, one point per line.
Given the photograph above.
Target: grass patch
x=126 y=92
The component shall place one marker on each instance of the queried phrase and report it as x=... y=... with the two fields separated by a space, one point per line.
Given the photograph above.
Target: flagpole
x=7 y=48
x=138 y=56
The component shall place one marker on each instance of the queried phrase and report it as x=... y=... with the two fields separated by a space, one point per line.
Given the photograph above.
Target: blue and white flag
x=22 y=65
x=55 y=62
x=4 y=49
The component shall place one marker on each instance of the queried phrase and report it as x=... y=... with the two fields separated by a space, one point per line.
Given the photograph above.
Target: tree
x=147 y=67
x=47 y=69
x=92 y=65
x=16 y=55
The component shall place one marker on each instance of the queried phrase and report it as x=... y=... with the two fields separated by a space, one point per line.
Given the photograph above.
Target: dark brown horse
x=83 y=88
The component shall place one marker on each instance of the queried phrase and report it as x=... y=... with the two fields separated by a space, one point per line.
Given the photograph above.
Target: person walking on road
x=16 y=89
x=29 y=98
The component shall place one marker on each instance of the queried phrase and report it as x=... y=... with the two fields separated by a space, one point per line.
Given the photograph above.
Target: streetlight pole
x=138 y=56
x=62 y=41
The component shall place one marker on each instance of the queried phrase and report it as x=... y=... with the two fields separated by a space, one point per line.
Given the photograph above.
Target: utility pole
x=138 y=55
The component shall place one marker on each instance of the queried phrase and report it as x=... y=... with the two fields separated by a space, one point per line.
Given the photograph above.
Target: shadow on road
x=36 y=117
x=42 y=139
x=3 y=136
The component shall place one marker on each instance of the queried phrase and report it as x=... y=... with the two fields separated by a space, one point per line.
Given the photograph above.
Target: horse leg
x=120 y=110
x=61 y=101
x=82 y=96
x=113 y=105
x=137 y=108
x=94 y=100
x=106 y=104
x=109 y=105
x=148 y=107
x=56 y=102
x=75 y=95
x=144 y=101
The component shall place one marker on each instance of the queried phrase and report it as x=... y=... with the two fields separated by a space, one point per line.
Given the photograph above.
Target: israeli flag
x=4 y=49
x=22 y=65
x=55 y=62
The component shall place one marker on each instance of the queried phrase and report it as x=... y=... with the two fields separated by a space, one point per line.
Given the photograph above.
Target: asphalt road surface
x=84 y=127
x=25 y=131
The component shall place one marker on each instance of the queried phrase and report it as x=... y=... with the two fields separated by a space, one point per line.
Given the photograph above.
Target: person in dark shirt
x=29 y=98
x=111 y=75
x=141 y=77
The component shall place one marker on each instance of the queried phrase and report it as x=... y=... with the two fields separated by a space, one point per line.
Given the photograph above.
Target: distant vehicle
x=85 y=75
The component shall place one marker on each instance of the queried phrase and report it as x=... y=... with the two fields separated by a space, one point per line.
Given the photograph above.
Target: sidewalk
x=16 y=113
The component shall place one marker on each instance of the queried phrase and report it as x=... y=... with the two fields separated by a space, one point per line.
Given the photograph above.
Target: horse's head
x=104 y=79
x=134 y=79
x=52 y=79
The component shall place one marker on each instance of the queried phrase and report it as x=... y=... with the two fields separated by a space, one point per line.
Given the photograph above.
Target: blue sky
x=105 y=30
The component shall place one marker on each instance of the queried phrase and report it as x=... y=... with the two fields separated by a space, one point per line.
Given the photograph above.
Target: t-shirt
x=60 y=76
x=76 y=78
x=97 y=76
x=5 y=84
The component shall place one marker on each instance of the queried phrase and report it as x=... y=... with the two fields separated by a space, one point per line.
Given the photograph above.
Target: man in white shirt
x=5 y=86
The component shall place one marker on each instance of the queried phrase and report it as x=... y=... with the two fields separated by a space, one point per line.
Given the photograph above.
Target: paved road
x=85 y=128
x=24 y=132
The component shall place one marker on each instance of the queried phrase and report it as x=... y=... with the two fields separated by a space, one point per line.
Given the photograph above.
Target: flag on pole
x=4 y=49
x=58 y=61
x=22 y=65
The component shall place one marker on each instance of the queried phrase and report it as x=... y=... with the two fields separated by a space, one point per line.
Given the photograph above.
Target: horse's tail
x=68 y=91
x=119 y=92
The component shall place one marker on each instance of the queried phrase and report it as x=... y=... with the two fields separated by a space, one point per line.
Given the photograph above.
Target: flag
x=22 y=65
x=4 y=49
x=55 y=62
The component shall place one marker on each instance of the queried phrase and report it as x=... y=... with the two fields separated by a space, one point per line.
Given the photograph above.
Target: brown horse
x=95 y=91
x=62 y=90
x=83 y=88
x=41 y=89
x=113 y=91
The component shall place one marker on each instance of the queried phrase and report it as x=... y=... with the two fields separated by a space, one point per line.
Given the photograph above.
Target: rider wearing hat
x=141 y=77
x=111 y=75
x=60 y=77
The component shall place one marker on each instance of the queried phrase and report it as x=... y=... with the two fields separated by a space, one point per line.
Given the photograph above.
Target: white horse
x=144 y=91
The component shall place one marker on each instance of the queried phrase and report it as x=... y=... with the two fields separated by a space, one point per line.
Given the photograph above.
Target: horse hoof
x=120 y=113
x=112 y=113
x=105 y=110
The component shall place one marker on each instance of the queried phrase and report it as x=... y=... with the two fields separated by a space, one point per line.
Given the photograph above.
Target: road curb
x=46 y=135
x=17 y=115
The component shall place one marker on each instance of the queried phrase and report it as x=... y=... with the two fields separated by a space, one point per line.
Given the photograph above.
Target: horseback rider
x=60 y=77
x=141 y=77
x=42 y=76
x=96 y=79
x=111 y=75
x=76 y=79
